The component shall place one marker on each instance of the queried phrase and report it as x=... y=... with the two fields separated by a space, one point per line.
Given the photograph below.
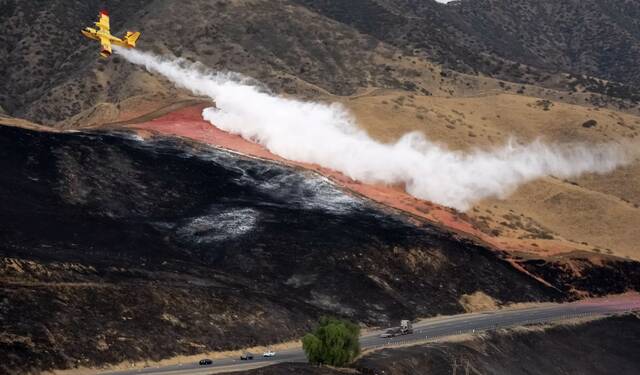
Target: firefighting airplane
x=103 y=34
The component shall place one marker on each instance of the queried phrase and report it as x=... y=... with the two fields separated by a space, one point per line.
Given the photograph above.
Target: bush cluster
x=334 y=342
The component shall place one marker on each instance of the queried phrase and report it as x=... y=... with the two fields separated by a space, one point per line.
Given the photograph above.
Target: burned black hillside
x=115 y=248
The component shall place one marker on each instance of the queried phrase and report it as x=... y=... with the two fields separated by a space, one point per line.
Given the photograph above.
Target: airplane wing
x=103 y=22
x=106 y=46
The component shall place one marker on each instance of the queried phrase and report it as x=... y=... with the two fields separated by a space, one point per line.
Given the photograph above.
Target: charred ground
x=117 y=249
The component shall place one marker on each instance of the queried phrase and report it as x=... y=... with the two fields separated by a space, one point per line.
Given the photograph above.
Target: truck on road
x=406 y=328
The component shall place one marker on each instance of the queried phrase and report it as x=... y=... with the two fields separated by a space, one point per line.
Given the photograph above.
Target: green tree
x=334 y=342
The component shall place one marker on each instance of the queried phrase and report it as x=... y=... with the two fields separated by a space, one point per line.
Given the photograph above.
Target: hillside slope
x=57 y=75
x=365 y=55
x=520 y=40
x=315 y=48
x=118 y=249
x=593 y=213
x=114 y=247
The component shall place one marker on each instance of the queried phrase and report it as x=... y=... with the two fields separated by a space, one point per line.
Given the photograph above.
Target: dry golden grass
x=477 y=302
x=598 y=213
x=22 y=123
x=479 y=121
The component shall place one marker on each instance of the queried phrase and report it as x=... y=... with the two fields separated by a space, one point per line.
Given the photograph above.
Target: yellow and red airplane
x=103 y=34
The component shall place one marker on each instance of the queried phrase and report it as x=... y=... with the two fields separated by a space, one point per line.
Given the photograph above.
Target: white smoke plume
x=328 y=135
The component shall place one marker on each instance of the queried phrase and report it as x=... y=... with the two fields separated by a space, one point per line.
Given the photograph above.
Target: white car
x=269 y=353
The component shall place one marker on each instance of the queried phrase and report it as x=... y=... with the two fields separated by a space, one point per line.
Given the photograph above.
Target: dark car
x=246 y=356
x=390 y=333
x=205 y=362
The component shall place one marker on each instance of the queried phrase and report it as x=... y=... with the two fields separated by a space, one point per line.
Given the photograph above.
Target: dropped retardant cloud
x=327 y=135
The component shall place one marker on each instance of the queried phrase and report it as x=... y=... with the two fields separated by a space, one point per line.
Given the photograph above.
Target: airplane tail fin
x=131 y=38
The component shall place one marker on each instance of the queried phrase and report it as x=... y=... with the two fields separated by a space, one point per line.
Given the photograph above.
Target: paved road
x=426 y=329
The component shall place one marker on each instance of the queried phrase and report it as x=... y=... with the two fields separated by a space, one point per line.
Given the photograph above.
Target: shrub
x=334 y=342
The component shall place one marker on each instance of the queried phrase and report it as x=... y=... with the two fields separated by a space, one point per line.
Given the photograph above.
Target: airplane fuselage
x=106 y=39
x=97 y=34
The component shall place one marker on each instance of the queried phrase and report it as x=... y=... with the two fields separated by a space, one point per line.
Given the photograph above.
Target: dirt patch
x=25 y=124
